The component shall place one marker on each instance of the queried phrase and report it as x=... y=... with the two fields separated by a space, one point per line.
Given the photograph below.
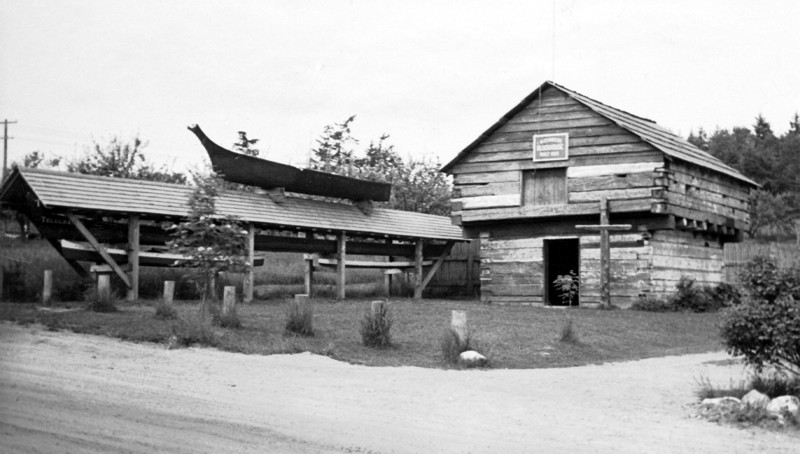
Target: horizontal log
x=535 y=127
x=487 y=201
x=554 y=210
x=367 y=264
x=486 y=177
x=611 y=182
x=611 y=169
x=313 y=245
x=609 y=194
x=506 y=187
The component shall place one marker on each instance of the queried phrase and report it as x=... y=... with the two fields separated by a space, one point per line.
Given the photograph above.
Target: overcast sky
x=432 y=74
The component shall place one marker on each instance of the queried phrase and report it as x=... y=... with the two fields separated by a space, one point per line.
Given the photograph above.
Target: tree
x=417 y=184
x=334 y=152
x=244 y=145
x=123 y=160
x=700 y=140
x=213 y=243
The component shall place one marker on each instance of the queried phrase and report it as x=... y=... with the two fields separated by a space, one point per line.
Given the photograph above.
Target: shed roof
x=662 y=139
x=60 y=190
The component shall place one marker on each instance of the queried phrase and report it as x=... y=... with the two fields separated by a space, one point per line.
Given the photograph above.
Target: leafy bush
x=190 y=332
x=376 y=327
x=765 y=327
x=761 y=278
x=652 y=303
x=690 y=297
x=299 y=319
x=14 y=288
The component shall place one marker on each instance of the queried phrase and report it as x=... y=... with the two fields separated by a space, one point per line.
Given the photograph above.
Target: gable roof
x=60 y=190
x=648 y=131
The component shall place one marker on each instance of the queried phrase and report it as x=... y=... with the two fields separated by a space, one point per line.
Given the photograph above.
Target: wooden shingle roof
x=662 y=139
x=59 y=190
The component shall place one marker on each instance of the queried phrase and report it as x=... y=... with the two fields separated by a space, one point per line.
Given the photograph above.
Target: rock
x=779 y=405
x=471 y=358
x=726 y=401
x=755 y=399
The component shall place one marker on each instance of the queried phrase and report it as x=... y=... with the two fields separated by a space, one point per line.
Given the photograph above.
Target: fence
x=460 y=270
x=736 y=255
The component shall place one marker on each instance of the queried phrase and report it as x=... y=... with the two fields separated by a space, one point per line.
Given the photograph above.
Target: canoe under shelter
x=117 y=223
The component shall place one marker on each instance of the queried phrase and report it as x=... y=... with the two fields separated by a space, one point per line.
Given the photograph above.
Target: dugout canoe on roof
x=546 y=166
x=68 y=206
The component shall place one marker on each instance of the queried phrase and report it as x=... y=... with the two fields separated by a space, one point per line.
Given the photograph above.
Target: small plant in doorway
x=567 y=286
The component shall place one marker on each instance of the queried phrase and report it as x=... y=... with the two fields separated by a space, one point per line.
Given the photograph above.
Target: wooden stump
x=169 y=292
x=47 y=287
x=229 y=301
x=458 y=324
x=377 y=307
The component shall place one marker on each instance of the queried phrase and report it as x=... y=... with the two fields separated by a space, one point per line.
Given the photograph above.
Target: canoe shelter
x=564 y=183
x=117 y=223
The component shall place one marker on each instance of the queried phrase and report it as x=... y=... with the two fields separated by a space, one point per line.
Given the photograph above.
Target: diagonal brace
x=99 y=248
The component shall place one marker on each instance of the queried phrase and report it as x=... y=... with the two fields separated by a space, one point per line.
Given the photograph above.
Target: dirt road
x=64 y=392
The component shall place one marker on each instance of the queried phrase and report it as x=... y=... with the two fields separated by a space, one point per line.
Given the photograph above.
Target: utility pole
x=5 y=147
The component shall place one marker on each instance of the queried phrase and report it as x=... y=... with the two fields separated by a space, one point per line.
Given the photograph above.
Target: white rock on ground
x=721 y=401
x=471 y=356
x=755 y=399
x=784 y=403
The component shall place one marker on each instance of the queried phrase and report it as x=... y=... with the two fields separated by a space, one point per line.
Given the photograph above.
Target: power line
x=5 y=146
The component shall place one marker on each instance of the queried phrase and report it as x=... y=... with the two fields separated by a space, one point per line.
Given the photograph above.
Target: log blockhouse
x=104 y=213
x=546 y=166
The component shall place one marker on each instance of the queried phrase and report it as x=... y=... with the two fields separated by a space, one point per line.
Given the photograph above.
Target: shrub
x=299 y=319
x=190 y=332
x=762 y=279
x=568 y=333
x=765 y=326
x=100 y=303
x=652 y=303
x=229 y=319
x=165 y=311
x=376 y=327
x=14 y=288
x=690 y=297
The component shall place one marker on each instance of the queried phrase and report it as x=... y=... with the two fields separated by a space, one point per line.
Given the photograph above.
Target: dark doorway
x=560 y=257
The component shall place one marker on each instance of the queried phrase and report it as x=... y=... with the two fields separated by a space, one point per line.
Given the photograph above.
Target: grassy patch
x=519 y=337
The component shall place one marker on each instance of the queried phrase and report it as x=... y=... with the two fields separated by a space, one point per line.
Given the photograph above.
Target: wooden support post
x=308 y=264
x=470 y=273
x=47 y=288
x=605 y=255
x=133 y=257
x=228 y=301
x=418 y=255
x=387 y=277
x=605 y=249
x=341 y=267
x=377 y=307
x=249 y=283
x=458 y=323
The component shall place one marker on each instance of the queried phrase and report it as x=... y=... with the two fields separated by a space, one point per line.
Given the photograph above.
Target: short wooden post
x=341 y=266
x=605 y=256
x=133 y=257
x=47 y=288
x=418 y=269
x=169 y=292
x=308 y=273
x=470 y=274
x=458 y=324
x=377 y=307
x=104 y=286
x=228 y=301
x=249 y=283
